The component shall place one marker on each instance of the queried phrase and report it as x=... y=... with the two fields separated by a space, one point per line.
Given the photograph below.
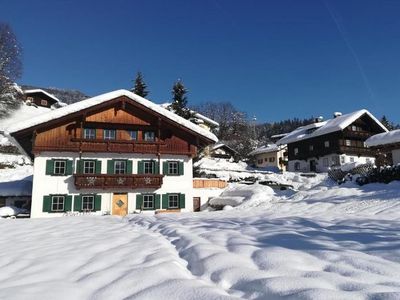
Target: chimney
x=319 y=119
x=337 y=114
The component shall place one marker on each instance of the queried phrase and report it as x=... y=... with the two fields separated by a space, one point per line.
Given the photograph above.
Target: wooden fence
x=209 y=183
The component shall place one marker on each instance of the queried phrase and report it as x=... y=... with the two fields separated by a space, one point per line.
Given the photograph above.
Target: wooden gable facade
x=121 y=115
x=350 y=141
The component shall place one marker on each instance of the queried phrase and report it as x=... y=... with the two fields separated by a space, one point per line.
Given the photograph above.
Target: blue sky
x=273 y=59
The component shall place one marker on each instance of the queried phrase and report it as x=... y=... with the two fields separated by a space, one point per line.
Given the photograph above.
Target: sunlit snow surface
x=322 y=242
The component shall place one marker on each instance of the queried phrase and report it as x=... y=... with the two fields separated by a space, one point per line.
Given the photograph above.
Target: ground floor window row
x=63 y=167
x=92 y=202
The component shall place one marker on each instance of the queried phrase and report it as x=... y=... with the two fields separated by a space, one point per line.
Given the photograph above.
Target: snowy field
x=321 y=242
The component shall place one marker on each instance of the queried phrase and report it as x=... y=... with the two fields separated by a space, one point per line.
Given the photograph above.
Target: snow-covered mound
x=10 y=211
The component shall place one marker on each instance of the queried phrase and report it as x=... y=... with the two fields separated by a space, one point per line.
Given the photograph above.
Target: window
x=119 y=167
x=260 y=161
x=311 y=147
x=87 y=203
x=326 y=144
x=29 y=98
x=149 y=136
x=133 y=135
x=148 y=201
x=297 y=166
x=272 y=159
x=43 y=102
x=89 y=167
x=325 y=162
x=148 y=167
x=89 y=133
x=172 y=168
x=368 y=160
x=59 y=167
x=351 y=159
x=109 y=134
x=57 y=203
x=173 y=201
x=335 y=160
x=342 y=159
x=265 y=159
x=296 y=151
x=348 y=143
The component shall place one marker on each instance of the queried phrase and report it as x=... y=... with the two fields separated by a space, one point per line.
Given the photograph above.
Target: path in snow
x=93 y=258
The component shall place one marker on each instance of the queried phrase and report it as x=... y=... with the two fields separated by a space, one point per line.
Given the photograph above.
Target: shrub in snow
x=382 y=175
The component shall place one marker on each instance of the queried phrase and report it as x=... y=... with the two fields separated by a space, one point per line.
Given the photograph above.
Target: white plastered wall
x=45 y=184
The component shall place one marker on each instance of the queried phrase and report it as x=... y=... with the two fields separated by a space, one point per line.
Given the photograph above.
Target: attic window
x=29 y=98
x=43 y=102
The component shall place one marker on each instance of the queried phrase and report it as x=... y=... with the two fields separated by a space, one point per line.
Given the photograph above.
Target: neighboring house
x=341 y=140
x=16 y=193
x=41 y=98
x=387 y=146
x=115 y=153
x=221 y=150
x=270 y=156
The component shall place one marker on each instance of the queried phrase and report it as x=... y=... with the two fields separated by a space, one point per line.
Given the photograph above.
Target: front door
x=313 y=165
x=120 y=204
x=196 y=203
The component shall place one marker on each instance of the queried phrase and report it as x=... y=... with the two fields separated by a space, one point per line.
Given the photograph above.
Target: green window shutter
x=165 y=167
x=68 y=203
x=98 y=167
x=68 y=170
x=78 y=203
x=157 y=201
x=165 y=201
x=46 y=204
x=129 y=167
x=97 y=202
x=156 y=167
x=79 y=165
x=181 y=200
x=49 y=167
x=180 y=168
x=139 y=201
x=110 y=167
x=140 y=167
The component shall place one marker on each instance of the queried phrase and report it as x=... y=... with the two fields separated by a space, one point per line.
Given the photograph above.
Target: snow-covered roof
x=22 y=114
x=321 y=128
x=265 y=149
x=220 y=145
x=44 y=92
x=84 y=104
x=384 y=138
x=195 y=114
x=281 y=135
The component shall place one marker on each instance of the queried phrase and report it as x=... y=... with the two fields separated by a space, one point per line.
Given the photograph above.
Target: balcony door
x=120 y=204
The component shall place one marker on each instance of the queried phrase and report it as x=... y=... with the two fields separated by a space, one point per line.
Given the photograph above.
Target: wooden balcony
x=361 y=135
x=362 y=151
x=120 y=181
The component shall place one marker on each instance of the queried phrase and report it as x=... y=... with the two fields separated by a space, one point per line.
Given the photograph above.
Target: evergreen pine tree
x=179 y=100
x=140 y=87
x=386 y=123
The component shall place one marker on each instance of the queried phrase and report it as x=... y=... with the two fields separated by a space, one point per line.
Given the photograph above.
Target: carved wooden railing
x=107 y=181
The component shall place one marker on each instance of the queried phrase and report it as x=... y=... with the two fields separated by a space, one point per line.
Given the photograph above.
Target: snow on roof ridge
x=384 y=138
x=265 y=149
x=77 y=106
x=44 y=92
x=328 y=126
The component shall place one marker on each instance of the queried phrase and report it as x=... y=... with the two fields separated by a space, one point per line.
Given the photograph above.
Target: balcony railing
x=127 y=181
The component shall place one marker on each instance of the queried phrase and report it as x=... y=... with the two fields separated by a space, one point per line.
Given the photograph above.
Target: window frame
x=325 y=162
x=130 y=135
x=169 y=201
x=297 y=166
x=296 y=151
x=327 y=144
x=58 y=197
x=311 y=147
x=146 y=200
x=117 y=161
x=44 y=102
x=148 y=132
x=84 y=166
x=169 y=169
x=145 y=163
x=106 y=134
x=59 y=167
x=83 y=202
x=271 y=159
x=347 y=143
x=89 y=136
